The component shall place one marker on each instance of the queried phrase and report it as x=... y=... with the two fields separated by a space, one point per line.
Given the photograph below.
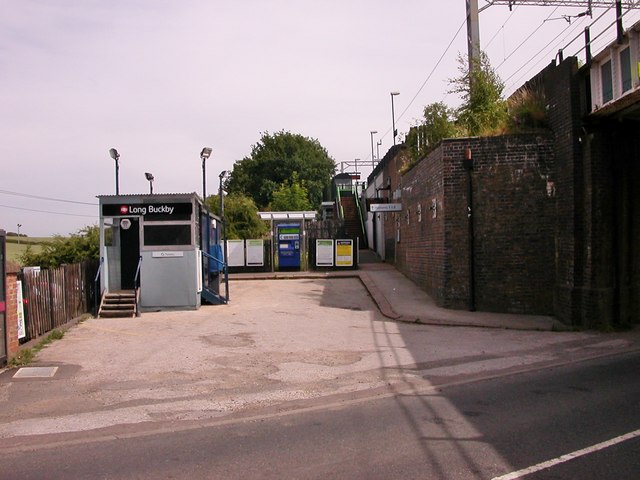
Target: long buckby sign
x=149 y=211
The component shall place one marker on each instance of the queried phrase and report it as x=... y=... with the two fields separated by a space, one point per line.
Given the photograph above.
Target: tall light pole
x=393 y=117
x=223 y=174
x=116 y=156
x=149 y=177
x=378 y=148
x=19 y=225
x=204 y=154
x=373 y=158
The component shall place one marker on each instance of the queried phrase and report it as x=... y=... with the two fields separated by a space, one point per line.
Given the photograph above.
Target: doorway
x=129 y=251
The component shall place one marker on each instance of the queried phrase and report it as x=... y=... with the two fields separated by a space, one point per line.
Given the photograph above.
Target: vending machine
x=289 y=239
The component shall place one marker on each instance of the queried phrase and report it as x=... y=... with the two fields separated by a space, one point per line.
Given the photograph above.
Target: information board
x=324 y=253
x=344 y=253
x=255 y=253
x=235 y=253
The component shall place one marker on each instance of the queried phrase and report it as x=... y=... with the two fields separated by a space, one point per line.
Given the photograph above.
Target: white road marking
x=568 y=456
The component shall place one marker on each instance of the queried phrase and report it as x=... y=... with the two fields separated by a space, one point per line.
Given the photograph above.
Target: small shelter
x=159 y=251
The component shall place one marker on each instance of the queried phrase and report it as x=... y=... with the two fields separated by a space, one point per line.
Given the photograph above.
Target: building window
x=166 y=235
x=625 y=69
x=607 y=82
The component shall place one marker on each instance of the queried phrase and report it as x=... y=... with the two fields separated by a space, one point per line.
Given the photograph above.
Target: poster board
x=344 y=253
x=255 y=253
x=324 y=253
x=22 y=328
x=235 y=253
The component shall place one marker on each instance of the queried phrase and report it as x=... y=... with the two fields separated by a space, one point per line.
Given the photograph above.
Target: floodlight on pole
x=204 y=154
x=19 y=225
x=116 y=156
x=149 y=177
x=393 y=117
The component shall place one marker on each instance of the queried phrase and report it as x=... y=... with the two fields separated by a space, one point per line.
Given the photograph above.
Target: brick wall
x=562 y=89
x=513 y=222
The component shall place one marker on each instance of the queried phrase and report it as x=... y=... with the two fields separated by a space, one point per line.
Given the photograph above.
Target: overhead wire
x=544 y=51
x=501 y=29
x=48 y=211
x=27 y=195
x=580 y=22
x=526 y=39
x=368 y=156
x=432 y=70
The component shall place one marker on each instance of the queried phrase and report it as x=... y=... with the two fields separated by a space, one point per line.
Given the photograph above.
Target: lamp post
x=223 y=174
x=150 y=178
x=373 y=158
x=393 y=117
x=378 y=149
x=116 y=156
x=19 y=225
x=204 y=154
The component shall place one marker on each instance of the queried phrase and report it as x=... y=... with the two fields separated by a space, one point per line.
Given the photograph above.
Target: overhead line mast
x=563 y=3
x=473 y=27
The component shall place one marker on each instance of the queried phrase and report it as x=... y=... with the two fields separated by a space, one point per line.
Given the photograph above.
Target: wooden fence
x=55 y=296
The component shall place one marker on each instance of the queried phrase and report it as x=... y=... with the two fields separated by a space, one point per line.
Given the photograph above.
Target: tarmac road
x=281 y=345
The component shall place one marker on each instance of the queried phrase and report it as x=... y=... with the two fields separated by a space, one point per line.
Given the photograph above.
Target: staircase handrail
x=360 y=215
x=95 y=288
x=339 y=203
x=136 y=283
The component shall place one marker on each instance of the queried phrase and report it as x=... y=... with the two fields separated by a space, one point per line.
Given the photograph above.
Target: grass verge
x=27 y=355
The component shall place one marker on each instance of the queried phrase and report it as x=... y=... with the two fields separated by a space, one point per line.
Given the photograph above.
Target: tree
x=483 y=110
x=291 y=195
x=274 y=160
x=438 y=123
x=241 y=215
x=80 y=246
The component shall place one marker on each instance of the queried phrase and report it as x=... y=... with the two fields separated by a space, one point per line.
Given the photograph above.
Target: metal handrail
x=95 y=285
x=225 y=270
x=360 y=215
x=136 y=283
x=339 y=201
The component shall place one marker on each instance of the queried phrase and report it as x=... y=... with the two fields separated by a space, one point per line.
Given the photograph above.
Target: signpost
x=385 y=207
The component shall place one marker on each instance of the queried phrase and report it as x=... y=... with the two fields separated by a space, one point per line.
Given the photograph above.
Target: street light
x=19 y=225
x=378 y=148
x=393 y=117
x=116 y=156
x=150 y=178
x=204 y=154
x=373 y=158
x=222 y=176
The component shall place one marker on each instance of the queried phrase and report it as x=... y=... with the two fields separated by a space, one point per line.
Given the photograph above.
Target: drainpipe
x=468 y=166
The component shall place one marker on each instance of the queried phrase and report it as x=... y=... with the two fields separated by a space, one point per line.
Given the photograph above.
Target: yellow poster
x=344 y=253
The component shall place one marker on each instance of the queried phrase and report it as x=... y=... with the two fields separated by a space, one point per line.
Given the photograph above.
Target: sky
x=160 y=79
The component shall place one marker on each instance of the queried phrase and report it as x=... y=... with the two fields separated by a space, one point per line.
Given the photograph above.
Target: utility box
x=289 y=239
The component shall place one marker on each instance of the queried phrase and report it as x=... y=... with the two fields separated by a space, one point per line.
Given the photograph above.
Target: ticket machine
x=289 y=239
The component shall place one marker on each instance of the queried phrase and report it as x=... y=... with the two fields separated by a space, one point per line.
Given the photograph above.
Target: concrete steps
x=121 y=304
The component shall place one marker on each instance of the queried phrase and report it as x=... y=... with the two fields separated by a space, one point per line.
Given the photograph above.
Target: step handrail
x=136 y=284
x=95 y=288
x=225 y=270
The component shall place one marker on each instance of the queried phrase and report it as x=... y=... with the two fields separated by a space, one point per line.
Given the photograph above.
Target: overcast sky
x=160 y=79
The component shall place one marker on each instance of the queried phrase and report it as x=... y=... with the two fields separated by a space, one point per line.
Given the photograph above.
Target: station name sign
x=150 y=211
x=385 y=207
